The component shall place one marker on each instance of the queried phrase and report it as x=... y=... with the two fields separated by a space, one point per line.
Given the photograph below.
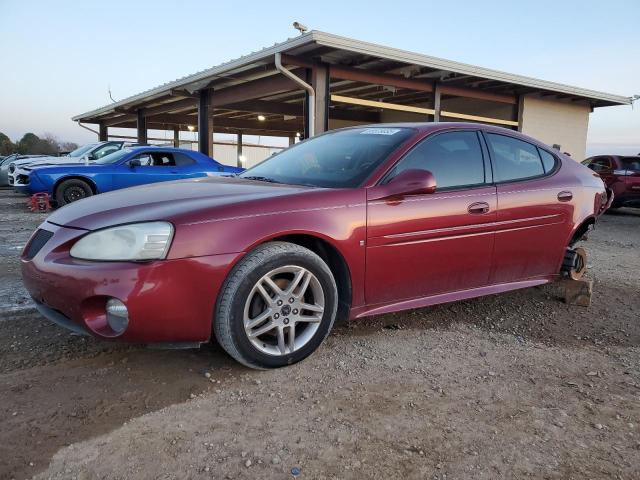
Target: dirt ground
x=509 y=386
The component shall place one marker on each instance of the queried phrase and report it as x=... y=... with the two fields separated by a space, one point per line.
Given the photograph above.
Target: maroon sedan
x=621 y=174
x=354 y=222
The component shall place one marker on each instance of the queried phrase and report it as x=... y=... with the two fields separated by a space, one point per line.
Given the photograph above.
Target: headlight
x=138 y=241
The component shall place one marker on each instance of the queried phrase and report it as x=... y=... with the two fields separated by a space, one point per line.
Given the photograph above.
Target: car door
x=154 y=167
x=534 y=210
x=427 y=244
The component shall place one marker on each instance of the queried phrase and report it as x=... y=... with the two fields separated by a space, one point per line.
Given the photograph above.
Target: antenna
x=110 y=96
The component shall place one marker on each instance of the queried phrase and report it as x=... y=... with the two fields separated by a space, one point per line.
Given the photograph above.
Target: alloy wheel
x=283 y=310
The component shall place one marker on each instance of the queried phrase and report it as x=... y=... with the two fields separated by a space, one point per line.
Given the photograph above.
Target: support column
x=306 y=107
x=292 y=140
x=320 y=83
x=205 y=124
x=517 y=116
x=436 y=102
x=176 y=137
x=103 y=133
x=239 y=147
x=142 y=127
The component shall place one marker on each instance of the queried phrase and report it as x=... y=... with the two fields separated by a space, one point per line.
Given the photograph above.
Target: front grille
x=37 y=242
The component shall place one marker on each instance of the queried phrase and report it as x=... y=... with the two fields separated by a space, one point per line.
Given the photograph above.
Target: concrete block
x=577 y=292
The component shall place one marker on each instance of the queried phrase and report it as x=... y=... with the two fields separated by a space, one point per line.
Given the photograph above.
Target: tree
x=28 y=143
x=68 y=146
x=6 y=145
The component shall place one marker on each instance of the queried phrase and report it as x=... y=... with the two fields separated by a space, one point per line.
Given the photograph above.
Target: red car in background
x=621 y=174
x=354 y=222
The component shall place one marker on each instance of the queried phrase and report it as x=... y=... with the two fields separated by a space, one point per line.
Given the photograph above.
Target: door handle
x=478 y=208
x=565 y=196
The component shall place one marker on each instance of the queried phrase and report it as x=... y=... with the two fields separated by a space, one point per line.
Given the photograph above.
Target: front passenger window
x=454 y=158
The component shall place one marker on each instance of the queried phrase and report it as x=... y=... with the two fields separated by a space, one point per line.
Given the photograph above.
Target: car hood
x=179 y=201
x=38 y=166
x=42 y=162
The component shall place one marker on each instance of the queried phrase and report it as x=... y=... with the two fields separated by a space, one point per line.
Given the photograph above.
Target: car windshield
x=340 y=159
x=631 y=163
x=78 y=152
x=112 y=158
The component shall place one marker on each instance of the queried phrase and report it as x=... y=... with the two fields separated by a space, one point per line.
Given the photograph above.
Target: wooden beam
x=366 y=76
x=112 y=122
x=477 y=118
x=170 y=107
x=237 y=123
x=264 y=131
x=255 y=89
x=427 y=111
x=261 y=106
x=384 y=105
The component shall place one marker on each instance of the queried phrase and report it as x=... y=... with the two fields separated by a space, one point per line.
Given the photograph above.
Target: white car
x=84 y=154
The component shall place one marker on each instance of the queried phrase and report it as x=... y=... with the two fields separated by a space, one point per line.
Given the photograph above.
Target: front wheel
x=276 y=307
x=72 y=190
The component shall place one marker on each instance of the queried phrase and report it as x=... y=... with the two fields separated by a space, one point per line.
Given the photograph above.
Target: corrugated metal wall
x=226 y=153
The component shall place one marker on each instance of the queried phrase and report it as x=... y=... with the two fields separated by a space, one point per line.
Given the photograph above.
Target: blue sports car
x=125 y=168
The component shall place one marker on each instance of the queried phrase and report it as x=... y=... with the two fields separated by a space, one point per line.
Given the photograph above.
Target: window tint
x=144 y=158
x=513 y=159
x=454 y=158
x=162 y=159
x=105 y=150
x=548 y=160
x=183 y=160
x=599 y=164
x=631 y=163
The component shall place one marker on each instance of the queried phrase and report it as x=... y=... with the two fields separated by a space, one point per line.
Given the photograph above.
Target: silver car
x=6 y=161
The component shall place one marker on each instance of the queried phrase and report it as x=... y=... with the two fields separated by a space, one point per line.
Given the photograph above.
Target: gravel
x=508 y=386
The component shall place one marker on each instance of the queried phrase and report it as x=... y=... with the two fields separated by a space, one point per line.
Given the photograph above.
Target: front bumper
x=167 y=300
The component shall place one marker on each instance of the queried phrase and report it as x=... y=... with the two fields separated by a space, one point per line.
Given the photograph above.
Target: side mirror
x=409 y=182
x=134 y=163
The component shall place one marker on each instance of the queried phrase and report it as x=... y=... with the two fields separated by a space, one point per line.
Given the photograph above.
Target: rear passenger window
x=183 y=160
x=454 y=158
x=513 y=159
x=548 y=160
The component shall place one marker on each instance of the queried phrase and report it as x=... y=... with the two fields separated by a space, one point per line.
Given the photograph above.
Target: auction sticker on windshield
x=379 y=131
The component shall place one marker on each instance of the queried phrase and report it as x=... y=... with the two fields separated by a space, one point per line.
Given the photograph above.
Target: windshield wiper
x=261 y=179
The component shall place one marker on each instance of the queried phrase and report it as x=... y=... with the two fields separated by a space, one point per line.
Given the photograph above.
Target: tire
x=241 y=301
x=72 y=190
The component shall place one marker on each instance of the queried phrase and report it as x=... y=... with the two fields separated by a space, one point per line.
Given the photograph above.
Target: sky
x=60 y=58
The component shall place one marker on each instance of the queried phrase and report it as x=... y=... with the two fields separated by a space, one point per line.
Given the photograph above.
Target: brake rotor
x=580 y=265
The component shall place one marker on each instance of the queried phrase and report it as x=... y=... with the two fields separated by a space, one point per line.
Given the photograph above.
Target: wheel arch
x=581 y=230
x=330 y=254
x=88 y=181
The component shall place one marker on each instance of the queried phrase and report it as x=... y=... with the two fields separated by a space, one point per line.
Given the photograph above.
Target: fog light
x=117 y=315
